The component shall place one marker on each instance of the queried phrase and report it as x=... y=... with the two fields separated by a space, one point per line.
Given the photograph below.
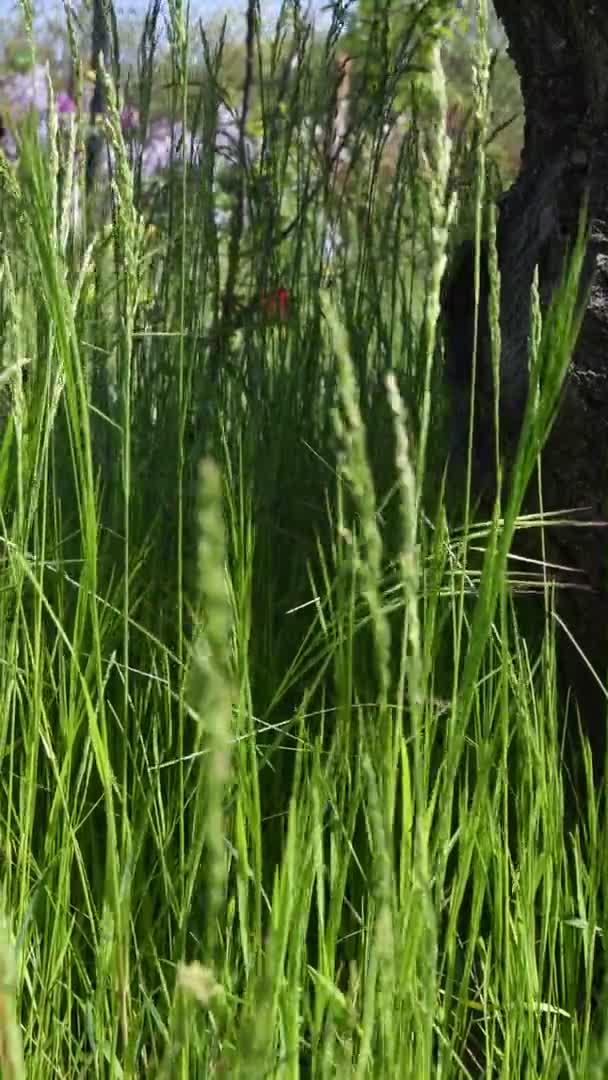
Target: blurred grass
x=281 y=790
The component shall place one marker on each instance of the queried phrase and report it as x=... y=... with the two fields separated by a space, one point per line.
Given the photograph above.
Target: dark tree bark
x=560 y=49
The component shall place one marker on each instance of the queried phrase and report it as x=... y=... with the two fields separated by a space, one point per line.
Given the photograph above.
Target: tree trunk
x=560 y=49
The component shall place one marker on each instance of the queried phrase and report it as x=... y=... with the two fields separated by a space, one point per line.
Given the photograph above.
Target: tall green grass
x=281 y=790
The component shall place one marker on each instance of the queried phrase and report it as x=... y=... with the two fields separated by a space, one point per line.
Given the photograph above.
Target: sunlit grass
x=282 y=791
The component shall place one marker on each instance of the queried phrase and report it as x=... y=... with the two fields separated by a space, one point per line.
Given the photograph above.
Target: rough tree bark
x=560 y=49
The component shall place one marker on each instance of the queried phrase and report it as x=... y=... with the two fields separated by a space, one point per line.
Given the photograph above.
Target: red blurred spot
x=276 y=305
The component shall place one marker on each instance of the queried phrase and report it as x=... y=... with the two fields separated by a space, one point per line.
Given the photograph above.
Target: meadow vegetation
x=282 y=789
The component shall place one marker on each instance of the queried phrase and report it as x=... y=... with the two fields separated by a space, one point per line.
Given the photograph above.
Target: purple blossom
x=166 y=143
x=129 y=120
x=22 y=91
x=64 y=103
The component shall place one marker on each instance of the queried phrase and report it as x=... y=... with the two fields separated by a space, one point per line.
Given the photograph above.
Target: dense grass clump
x=281 y=791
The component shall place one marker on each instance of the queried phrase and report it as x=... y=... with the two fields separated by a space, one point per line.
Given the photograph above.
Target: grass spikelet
x=356 y=474
x=210 y=692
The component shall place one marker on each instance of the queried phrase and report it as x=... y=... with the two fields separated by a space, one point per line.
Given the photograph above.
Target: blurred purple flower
x=156 y=152
x=129 y=120
x=65 y=104
x=22 y=91
x=227 y=139
x=166 y=143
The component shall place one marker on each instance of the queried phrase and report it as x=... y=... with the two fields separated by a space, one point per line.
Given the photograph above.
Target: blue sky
x=132 y=11
x=136 y=8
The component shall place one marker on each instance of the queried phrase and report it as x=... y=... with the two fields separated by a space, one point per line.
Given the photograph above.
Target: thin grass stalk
x=128 y=232
x=356 y=472
x=436 y=161
x=481 y=73
x=179 y=54
x=426 y=947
